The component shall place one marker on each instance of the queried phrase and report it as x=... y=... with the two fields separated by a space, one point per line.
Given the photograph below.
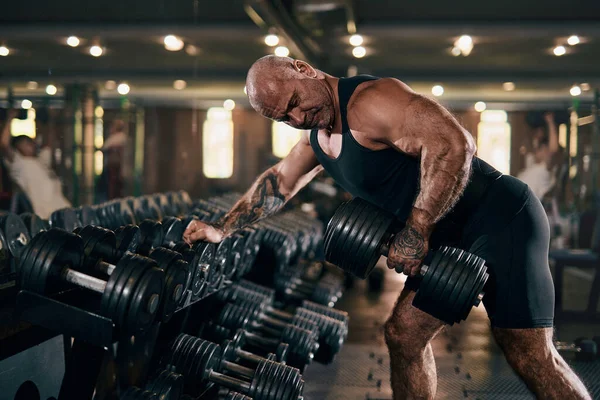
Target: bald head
x=288 y=90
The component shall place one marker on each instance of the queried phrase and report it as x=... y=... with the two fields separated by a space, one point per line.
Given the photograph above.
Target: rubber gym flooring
x=469 y=363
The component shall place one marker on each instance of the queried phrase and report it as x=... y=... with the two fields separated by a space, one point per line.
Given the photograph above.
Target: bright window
x=284 y=138
x=493 y=139
x=217 y=144
x=20 y=127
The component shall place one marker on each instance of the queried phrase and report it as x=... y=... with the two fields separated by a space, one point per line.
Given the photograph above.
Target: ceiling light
x=585 y=87
x=192 y=50
x=179 y=84
x=455 y=51
x=32 y=85
x=575 y=91
x=573 y=40
x=245 y=90
x=272 y=40
x=73 y=41
x=96 y=51
x=356 y=40
x=173 y=43
x=229 y=104
x=26 y=104
x=437 y=90
x=359 y=52
x=99 y=113
x=4 y=51
x=464 y=44
x=110 y=85
x=51 y=90
x=480 y=106
x=282 y=51
x=123 y=89
x=508 y=86
x=559 y=51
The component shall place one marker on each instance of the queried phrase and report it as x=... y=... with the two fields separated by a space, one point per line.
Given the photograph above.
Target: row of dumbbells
x=138 y=280
x=290 y=235
x=264 y=349
x=193 y=364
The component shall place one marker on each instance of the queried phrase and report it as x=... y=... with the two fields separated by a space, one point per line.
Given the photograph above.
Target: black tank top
x=389 y=178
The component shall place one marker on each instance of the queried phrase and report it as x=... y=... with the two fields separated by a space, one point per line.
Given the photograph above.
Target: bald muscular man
x=404 y=152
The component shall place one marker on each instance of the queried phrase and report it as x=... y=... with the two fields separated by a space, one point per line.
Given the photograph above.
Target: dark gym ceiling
x=410 y=40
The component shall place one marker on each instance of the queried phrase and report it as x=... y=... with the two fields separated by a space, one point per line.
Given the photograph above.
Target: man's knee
x=402 y=336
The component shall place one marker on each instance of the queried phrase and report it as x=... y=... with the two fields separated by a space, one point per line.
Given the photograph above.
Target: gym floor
x=469 y=363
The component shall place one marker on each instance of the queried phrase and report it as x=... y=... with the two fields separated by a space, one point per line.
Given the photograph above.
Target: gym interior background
x=163 y=82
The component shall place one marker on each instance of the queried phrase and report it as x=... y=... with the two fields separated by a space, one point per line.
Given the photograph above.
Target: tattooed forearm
x=409 y=244
x=263 y=199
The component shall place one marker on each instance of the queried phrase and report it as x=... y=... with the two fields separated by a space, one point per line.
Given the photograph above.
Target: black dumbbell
x=226 y=394
x=13 y=239
x=134 y=393
x=332 y=332
x=65 y=218
x=295 y=288
x=239 y=294
x=130 y=297
x=233 y=351
x=263 y=346
x=199 y=360
x=452 y=280
x=34 y=223
x=87 y=215
x=303 y=338
x=166 y=385
x=101 y=255
x=584 y=349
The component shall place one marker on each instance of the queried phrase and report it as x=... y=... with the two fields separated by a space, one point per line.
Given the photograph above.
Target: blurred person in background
x=117 y=169
x=540 y=164
x=32 y=171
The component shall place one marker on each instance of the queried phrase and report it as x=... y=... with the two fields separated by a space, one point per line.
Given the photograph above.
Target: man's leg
x=408 y=333
x=532 y=355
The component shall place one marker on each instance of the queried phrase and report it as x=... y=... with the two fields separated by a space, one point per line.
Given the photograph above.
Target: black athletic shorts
x=510 y=231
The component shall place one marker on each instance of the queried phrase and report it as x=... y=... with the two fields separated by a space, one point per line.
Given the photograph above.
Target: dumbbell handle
x=237 y=369
x=83 y=280
x=229 y=382
x=246 y=355
x=104 y=267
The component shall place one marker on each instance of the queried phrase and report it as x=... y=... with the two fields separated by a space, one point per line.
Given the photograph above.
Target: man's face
x=27 y=148
x=301 y=103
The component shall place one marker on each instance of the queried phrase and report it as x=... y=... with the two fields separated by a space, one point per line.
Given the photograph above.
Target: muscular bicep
x=298 y=168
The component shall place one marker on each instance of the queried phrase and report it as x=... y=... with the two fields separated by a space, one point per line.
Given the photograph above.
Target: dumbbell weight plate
x=176 y=274
x=65 y=218
x=97 y=243
x=138 y=316
x=173 y=229
x=151 y=209
x=33 y=223
x=87 y=215
x=234 y=256
x=151 y=236
x=219 y=265
x=128 y=238
x=449 y=281
x=202 y=264
x=425 y=298
x=167 y=385
x=42 y=260
x=471 y=292
x=333 y=227
x=14 y=234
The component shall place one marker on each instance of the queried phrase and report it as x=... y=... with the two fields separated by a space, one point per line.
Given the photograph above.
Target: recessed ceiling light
x=573 y=40
x=437 y=90
x=26 y=104
x=179 y=84
x=51 y=89
x=559 y=51
x=508 y=86
x=4 y=51
x=359 y=52
x=480 y=106
x=96 y=51
x=575 y=91
x=229 y=104
x=73 y=41
x=173 y=43
x=123 y=89
x=282 y=51
x=356 y=40
x=272 y=40
x=455 y=51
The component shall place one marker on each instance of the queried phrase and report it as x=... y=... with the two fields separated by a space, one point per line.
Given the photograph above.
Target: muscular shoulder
x=380 y=106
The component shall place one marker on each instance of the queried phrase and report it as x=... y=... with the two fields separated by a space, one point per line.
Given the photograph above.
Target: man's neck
x=332 y=83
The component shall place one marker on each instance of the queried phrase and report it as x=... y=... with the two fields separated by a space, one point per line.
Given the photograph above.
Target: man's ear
x=305 y=68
